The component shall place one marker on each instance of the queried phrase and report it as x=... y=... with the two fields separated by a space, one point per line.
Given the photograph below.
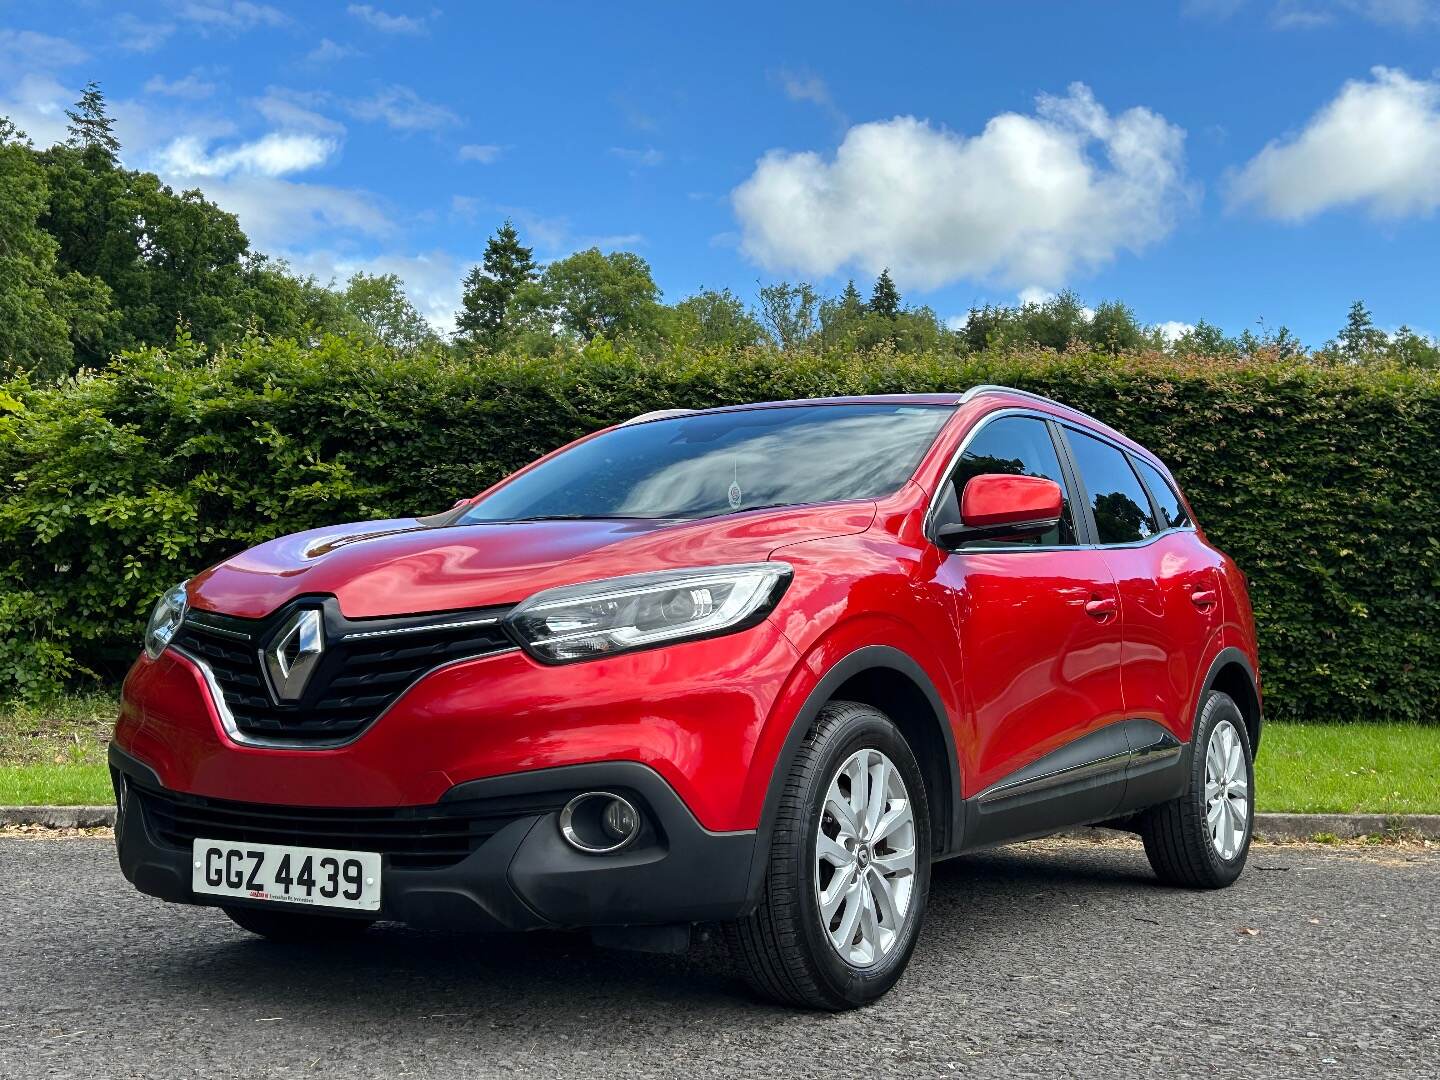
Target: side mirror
x=997 y=506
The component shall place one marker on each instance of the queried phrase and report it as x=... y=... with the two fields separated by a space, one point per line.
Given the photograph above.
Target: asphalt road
x=1057 y=958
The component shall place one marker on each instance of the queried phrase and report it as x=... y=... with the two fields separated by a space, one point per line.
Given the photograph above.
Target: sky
x=1238 y=161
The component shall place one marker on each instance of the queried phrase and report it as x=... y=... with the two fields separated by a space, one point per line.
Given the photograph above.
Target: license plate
x=315 y=877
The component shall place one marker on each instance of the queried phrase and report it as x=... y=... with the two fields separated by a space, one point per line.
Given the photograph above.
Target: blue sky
x=1231 y=160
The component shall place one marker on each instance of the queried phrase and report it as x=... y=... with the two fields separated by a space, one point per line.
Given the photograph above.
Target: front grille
x=416 y=837
x=366 y=664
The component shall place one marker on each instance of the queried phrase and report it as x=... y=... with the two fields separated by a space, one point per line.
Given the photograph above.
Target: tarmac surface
x=1054 y=958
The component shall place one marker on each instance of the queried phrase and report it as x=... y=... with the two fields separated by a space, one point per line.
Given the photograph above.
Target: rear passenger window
x=1020 y=446
x=1117 y=499
x=1171 y=509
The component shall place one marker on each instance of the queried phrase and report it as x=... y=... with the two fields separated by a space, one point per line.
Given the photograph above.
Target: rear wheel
x=1201 y=839
x=296 y=926
x=849 y=868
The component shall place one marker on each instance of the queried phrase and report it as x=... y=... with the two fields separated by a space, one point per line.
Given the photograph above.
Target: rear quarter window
x=1166 y=497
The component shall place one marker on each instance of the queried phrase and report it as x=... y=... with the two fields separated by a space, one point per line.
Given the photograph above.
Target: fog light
x=599 y=822
x=619 y=820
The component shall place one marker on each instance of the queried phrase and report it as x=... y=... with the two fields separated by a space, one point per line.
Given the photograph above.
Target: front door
x=1038 y=625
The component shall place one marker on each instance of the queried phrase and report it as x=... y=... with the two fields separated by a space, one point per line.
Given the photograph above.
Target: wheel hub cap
x=865 y=858
x=1227 y=791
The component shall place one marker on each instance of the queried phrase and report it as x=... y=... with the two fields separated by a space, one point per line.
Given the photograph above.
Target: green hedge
x=1323 y=483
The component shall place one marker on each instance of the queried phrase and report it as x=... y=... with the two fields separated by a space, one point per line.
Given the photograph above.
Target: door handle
x=1100 y=608
x=1203 y=598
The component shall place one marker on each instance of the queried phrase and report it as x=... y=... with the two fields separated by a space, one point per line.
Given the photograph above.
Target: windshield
x=721 y=463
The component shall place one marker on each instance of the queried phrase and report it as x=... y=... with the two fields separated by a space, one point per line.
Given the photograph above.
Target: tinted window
x=1169 y=502
x=1020 y=446
x=1121 y=509
x=717 y=463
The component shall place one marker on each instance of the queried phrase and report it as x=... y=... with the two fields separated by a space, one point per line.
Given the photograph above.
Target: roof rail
x=658 y=414
x=993 y=388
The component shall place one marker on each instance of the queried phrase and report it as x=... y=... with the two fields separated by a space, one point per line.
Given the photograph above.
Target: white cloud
x=295 y=110
x=432 y=279
x=465 y=208
x=191 y=87
x=231 y=14
x=1035 y=295
x=1173 y=331
x=647 y=158
x=277 y=213
x=36 y=104
x=275 y=154
x=385 y=22
x=328 y=52
x=1376 y=145
x=804 y=86
x=484 y=153
x=135 y=34
x=403 y=109
x=1024 y=201
x=27 y=50
x=1308 y=14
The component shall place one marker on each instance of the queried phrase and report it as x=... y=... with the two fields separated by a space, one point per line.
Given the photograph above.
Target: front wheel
x=1201 y=839
x=849 y=867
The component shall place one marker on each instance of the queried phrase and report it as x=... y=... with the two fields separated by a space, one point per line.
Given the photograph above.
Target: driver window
x=1020 y=446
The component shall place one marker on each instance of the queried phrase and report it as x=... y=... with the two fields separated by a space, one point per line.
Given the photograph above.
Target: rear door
x=1169 y=597
x=1040 y=648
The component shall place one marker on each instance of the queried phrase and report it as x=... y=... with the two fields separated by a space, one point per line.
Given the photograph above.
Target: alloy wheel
x=1227 y=790
x=865 y=858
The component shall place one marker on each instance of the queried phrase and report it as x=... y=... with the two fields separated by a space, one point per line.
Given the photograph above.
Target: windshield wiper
x=761 y=506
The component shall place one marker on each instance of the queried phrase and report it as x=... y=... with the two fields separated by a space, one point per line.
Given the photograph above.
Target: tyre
x=848 y=871
x=1201 y=839
x=296 y=926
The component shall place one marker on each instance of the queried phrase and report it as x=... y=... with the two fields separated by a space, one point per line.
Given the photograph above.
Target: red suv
x=758 y=665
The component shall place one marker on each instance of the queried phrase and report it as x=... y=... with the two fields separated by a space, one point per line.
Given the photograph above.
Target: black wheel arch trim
x=945 y=829
x=1223 y=659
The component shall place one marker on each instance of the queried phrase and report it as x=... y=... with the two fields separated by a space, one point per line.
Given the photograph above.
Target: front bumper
x=487 y=856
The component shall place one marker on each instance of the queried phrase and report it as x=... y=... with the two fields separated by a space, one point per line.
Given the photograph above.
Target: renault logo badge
x=293 y=654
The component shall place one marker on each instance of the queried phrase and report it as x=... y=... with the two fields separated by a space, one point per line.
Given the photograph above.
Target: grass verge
x=55 y=753
x=1349 y=768
x=55 y=785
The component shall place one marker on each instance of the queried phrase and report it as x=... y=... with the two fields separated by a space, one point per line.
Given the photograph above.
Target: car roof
x=999 y=396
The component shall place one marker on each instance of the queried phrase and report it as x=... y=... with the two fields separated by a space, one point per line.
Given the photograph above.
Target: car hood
x=403 y=566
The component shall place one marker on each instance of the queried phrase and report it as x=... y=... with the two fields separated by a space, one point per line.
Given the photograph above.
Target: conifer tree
x=90 y=126
x=885 y=299
x=490 y=287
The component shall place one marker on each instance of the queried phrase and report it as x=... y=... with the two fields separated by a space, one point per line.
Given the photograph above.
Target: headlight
x=165 y=620
x=600 y=618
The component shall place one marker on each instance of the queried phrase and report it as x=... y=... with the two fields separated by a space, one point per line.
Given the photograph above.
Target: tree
x=378 y=302
x=1360 y=339
x=983 y=326
x=90 y=127
x=1204 y=339
x=1280 y=343
x=1114 y=328
x=716 y=320
x=489 y=293
x=44 y=311
x=166 y=257
x=592 y=294
x=885 y=298
x=789 y=311
x=1410 y=349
